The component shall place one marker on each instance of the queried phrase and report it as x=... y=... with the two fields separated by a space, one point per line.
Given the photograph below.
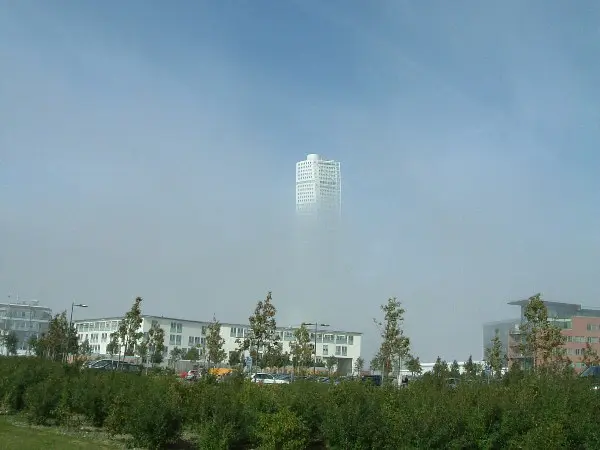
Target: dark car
x=373 y=379
x=110 y=365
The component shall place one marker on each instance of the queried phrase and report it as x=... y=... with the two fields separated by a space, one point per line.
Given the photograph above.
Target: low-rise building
x=25 y=319
x=580 y=326
x=184 y=334
x=503 y=328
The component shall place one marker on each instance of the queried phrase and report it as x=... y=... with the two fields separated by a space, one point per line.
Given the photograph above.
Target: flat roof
x=502 y=322
x=524 y=301
x=227 y=324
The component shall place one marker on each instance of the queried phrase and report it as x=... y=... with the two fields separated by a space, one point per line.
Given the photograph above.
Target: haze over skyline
x=149 y=148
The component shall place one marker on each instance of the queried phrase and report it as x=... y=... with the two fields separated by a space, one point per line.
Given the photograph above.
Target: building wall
x=25 y=319
x=185 y=334
x=489 y=331
x=584 y=330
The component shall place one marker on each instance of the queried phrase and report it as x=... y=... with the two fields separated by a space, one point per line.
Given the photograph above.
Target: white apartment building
x=318 y=186
x=345 y=346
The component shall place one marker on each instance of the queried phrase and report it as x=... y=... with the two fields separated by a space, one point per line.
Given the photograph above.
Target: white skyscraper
x=318 y=187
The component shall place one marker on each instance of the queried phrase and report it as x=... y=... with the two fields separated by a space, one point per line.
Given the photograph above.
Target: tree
x=85 y=349
x=37 y=346
x=156 y=343
x=10 y=341
x=235 y=358
x=543 y=341
x=414 y=366
x=455 y=369
x=275 y=357
x=330 y=364
x=590 y=356
x=301 y=348
x=129 y=329
x=494 y=356
x=193 y=354
x=377 y=362
x=262 y=335
x=470 y=368
x=214 y=343
x=440 y=368
x=394 y=346
x=359 y=364
x=112 y=348
x=60 y=339
x=142 y=350
x=175 y=356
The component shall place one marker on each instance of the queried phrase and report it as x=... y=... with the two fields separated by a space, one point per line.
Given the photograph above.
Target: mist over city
x=149 y=149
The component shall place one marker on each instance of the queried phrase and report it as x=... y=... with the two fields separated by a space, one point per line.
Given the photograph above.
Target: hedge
x=520 y=411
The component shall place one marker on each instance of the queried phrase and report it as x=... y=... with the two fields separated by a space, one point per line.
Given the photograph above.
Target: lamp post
x=73 y=305
x=316 y=325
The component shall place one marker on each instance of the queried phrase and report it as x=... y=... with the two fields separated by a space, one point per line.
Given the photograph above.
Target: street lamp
x=73 y=306
x=316 y=325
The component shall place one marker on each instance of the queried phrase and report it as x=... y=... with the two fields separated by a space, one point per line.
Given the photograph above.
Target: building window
x=350 y=340
x=325 y=350
x=288 y=336
x=178 y=340
x=172 y=339
x=328 y=338
x=341 y=339
x=191 y=341
x=341 y=350
x=593 y=327
x=203 y=332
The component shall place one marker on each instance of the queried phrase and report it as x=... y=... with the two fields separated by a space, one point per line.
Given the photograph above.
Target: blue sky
x=148 y=148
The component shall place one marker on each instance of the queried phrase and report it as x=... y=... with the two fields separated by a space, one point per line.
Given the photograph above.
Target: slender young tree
x=414 y=366
x=543 y=340
x=214 y=343
x=470 y=367
x=262 y=336
x=301 y=348
x=156 y=344
x=394 y=346
x=330 y=364
x=129 y=329
x=455 y=369
x=359 y=364
x=112 y=348
x=494 y=356
x=440 y=368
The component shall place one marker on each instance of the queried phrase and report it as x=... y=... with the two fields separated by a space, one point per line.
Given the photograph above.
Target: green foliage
x=440 y=368
x=494 y=356
x=129 y=328
x=262 y=336
x=193 y=354
x=214 y=343
x=394 y=346
x=520 y=410
x=301 y=348
x=156 y=343
x=359 y=365
x=455 y=369
x=10 y=341
x=543 y=340
x=414 y=365
x=470 y=368
x=60 y=340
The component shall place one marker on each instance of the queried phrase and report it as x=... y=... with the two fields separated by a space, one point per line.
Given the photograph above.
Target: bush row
x=521 y=411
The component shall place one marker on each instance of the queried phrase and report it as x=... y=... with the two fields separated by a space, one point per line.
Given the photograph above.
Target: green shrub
x=523 y=410
x=282 y=430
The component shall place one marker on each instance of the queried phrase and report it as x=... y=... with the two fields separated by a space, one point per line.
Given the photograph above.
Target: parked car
x=374 y=379
x=111 y=364
x=267 y=378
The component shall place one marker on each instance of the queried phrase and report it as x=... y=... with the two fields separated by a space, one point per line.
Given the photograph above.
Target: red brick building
x=579 y=325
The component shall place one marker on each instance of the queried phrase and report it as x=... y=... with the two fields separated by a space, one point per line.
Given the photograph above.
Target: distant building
x=318 y=187
x=345 y=346
x=25 y=319
x=579 y=325
x=504 y=327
